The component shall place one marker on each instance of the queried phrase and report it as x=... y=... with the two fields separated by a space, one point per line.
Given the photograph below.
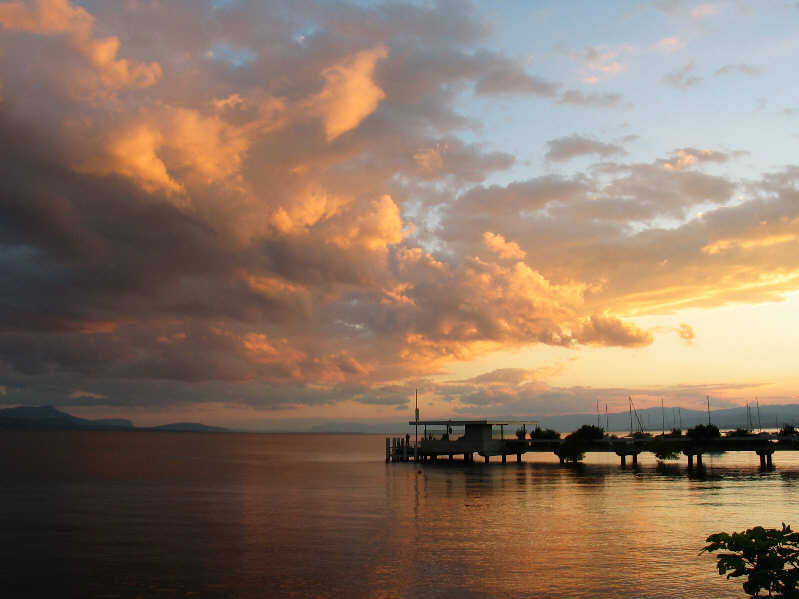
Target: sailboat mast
x=630 y=399
x=416 y=413
x=759 y=423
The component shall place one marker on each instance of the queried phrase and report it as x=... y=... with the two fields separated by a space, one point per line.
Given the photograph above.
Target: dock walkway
x=478 y=439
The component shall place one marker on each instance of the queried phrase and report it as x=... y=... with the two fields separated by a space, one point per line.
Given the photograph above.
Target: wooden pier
x=480 y=438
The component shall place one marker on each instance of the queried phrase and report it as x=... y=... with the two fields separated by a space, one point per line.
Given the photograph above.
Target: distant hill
x=186 y=427
x=652 y=419
x=50 y=418
x=360 y=427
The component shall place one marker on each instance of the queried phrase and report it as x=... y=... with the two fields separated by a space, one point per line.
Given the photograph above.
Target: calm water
x=224 y=515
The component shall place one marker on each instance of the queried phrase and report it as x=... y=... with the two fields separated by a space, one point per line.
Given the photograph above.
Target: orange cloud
x=430 y=159
x=723 y=245
x=374 y=229
x=506 y=250
x=306 y=208
x=610 y=331
x=133 y=153
x=168 y=149
x=350 y=93
x=297 y=262
x=274 y=353
x=686 y=332
x=59 y=17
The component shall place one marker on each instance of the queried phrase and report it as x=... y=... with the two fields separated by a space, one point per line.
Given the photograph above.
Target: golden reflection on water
x=324 y=516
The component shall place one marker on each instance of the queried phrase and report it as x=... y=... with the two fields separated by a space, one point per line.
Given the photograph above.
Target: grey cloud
x=683 y=78
x=518 y=197
x=512 y=78
x=743 y=69
x=566 y=148
x=578 y=98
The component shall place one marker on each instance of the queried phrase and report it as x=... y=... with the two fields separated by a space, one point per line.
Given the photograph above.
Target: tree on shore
x=703 y=432
x=577 y=443
x=544 y=434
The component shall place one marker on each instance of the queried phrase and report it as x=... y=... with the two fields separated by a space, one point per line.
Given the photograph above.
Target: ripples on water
x=225 y=515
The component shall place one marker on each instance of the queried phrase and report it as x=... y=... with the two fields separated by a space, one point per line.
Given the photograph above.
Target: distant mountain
x=360 y=427
x=651 y=419
x=187 y=427
x=50 y=418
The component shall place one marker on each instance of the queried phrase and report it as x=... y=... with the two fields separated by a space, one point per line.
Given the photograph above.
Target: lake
x=144 y=514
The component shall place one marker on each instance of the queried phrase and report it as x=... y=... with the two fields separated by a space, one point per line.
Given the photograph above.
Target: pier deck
x=478 y=439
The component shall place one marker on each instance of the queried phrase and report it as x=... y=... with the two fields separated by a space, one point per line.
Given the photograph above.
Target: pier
x=487 y=439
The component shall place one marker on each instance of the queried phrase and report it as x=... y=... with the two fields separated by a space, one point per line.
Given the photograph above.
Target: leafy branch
x=768 y=557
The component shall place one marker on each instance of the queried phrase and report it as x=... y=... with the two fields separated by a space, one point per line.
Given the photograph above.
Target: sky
x=262 y=214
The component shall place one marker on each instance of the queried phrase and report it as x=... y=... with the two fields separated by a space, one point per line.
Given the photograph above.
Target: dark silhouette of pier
x=480 y=438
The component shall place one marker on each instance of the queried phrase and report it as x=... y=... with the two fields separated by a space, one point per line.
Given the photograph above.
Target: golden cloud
x=59 y=17
x=350 y=93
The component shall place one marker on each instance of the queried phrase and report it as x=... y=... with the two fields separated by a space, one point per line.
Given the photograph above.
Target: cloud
x=573 y=146
x=682 y=78
x=611 y=331
x=514 y=376
x=686 y=333
x=350 y=93
x=578 y=98
x=78 y=394
x=511 y=78
x=668 y=45
x=742 y=69
x=506 y=250
x=702 y=11
x=60 y=18
x=600 y=62
x=682 y=158
x=451 y=158
x=321 y=223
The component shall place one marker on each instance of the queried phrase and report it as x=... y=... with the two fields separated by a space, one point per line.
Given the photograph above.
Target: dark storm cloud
x=275 y=204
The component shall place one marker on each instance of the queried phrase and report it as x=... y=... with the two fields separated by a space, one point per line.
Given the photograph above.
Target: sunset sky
x=260 y=214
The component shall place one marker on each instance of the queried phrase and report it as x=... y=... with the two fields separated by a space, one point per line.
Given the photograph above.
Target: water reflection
x=323 y=516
